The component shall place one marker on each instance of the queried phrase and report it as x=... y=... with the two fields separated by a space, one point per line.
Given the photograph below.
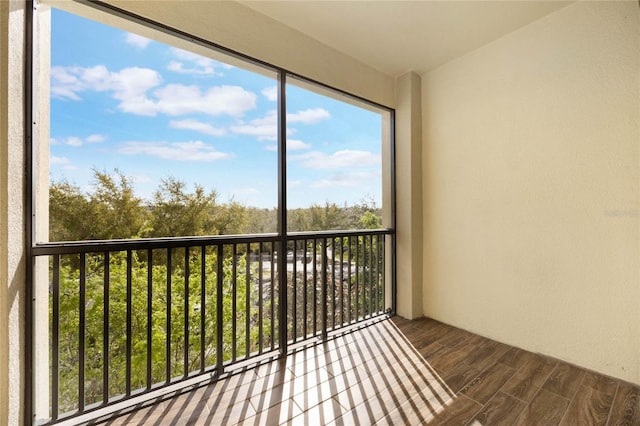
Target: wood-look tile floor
x=396 y=372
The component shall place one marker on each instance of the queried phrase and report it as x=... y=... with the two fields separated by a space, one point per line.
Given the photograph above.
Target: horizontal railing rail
x=127 y=317
x=100 y=246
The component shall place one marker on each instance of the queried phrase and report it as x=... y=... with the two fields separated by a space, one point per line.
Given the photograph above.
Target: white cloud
x=73 y=141
x=178 y=99
x=178 y=151
x=59 y=160
x=346 y=179
x=264 y=128
x=271 y=93
x=308 y=116
x=78 y=141
x=95 y=138
x=179 y=67
x=130 y=87
x=292 y=145
x=137 y=41
x=200 y=65
x=198 y=126
x=340 y=159
x=63 y=162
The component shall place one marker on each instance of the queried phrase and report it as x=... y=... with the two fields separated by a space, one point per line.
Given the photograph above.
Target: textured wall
x=409 y=196
x=12 y=266
x=532 y=198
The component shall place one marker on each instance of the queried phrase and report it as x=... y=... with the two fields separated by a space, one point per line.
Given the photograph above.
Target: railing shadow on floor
x=370 y=374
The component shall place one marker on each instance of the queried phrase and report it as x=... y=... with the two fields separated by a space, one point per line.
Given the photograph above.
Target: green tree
x=111 y=210
x=259 y=221
x=230 y=218
x=370 y=220
x=176 y=212
x=117 y=211
x=70 y=215
x=325 y=218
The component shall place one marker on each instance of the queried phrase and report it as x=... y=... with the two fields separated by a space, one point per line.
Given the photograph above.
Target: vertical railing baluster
x=187 y=272
x=341 y=294
x=168 y=309
x=260 y=317
x=366 y=275
x=324 y=288
x=105 y=327
x=383 y=274
x=371 y=280
x=315 y=286
x=357 y=278
x=234 y=302
x=203 y=300
x=219 y=312
x=55 y=337
x=81 y=330
x=374 y=274
x=294 y=284
x=377 y=275
x=305 y=289
x=247 y=301
x=129 y=296
x=365 y=271
x=370 y=275
x=272 y=291
x=149 y=315
x=333 y=282
x=349 y=285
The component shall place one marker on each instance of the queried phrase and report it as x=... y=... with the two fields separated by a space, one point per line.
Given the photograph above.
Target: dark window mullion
x=282 y=210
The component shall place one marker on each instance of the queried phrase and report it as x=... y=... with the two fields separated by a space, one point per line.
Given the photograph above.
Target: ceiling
x=398 y=36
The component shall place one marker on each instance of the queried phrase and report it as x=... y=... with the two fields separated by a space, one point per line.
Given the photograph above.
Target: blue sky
x=119 y=100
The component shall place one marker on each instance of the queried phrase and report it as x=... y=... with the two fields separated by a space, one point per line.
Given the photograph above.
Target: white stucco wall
x=532 y=188
x=409 y=195
x=12 y=262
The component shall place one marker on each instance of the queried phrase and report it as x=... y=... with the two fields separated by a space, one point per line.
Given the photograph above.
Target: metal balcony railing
x=128 y=317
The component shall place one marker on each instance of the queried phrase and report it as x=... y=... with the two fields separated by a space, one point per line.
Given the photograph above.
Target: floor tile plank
x=529 y=378
x=564 y=380
x=626 y=406
x=589 y=407
x=546 y=408
x=600 y=383
x=488 y=382
x=502 y=409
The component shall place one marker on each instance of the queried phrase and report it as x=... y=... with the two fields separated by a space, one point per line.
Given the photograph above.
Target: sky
x=153 y=111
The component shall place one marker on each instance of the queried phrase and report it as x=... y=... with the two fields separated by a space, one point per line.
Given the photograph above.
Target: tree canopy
x=110 y=209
